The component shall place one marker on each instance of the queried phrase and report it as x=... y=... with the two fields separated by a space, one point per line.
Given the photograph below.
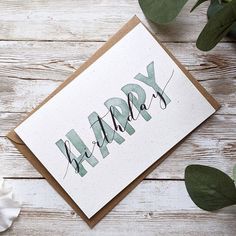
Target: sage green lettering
x=151 y=81
x=76 y=161
x=110 y=133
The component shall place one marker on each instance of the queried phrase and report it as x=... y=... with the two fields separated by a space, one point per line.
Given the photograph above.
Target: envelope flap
x=15 y=138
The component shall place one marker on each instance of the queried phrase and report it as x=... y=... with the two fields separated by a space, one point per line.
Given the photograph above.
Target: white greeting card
x=114 y=120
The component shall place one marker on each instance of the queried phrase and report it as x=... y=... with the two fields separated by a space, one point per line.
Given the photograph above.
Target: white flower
x=9 y=208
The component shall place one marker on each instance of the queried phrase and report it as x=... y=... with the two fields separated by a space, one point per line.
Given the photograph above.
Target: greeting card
x=107 y=126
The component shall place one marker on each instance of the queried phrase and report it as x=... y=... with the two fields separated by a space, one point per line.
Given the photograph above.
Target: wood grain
x=88 y=20
x=57 y=60
x=145 y=211
x=19 y=95
x=29 y=71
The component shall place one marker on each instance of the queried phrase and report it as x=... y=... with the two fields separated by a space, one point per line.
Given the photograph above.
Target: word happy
x=121 y=114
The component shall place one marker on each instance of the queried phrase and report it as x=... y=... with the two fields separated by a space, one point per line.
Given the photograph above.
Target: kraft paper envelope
x=37 y=164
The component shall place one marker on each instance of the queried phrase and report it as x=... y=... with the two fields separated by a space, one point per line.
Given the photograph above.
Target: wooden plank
x=29 y=71
x=214 y=144
x=91 y=20
x=153 y=208
x=19 y=95
x=57 y=60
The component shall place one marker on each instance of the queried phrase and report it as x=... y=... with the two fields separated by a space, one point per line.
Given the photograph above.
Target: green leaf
x=234 y=174
x=217 y=27
x=161 y=11
x=214 y=7
x=197 y=4
x=209 y=188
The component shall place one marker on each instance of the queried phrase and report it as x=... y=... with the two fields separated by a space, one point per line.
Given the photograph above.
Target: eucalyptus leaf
x=214 y=7
x=217 y=27
x=234 y=174
x=209 y=188
x=197 y=4
x=161 y=11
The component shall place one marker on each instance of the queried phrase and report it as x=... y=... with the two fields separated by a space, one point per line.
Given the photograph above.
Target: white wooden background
x=41 y=43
